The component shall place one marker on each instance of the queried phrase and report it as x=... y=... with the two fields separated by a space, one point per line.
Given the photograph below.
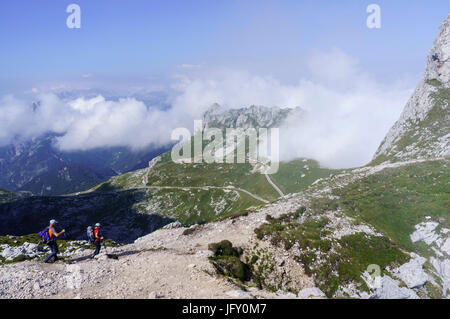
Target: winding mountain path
x=273 y=185
x=205 y=188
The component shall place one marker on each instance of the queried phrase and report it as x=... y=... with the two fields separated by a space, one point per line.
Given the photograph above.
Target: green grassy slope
x=193 y=206
x=396 y=199
x=297 y=175
x=291 y=177
x=202 y=206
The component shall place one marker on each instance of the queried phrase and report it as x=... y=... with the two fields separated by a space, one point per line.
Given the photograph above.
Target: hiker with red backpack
x=97 y=239
x=48 y=236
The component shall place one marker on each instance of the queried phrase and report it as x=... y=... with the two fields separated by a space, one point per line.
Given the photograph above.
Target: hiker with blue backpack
x=49 y=236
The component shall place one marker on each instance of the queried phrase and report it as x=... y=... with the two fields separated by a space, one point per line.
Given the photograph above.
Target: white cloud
x=85 y=123
x=348 y=113
x=98 y=123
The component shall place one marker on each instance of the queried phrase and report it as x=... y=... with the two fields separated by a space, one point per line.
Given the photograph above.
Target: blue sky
x=148 y=39
x=352 y=81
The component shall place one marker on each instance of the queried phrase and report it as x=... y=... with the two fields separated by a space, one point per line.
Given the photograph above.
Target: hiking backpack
x=45 y=236
x=90 y=234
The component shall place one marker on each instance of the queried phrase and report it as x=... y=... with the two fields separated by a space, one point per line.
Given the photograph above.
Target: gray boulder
x=412 y=272
x=390 y=289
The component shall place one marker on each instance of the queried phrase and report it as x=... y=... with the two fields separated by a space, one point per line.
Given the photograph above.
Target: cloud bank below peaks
x=347 y=111
x=85 y=123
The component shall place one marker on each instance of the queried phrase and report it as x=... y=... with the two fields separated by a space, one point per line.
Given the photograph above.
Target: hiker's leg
x=97 y=248
x=48 y=257
x=53 y=252
x=56 y=251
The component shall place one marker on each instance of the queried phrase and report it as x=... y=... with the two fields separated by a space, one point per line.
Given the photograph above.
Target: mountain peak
x=423 y=129
x=438 y=66
x=256 y=116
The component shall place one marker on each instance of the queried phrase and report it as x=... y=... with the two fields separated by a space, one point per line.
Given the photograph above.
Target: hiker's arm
x=60 y=233
x=97 y=236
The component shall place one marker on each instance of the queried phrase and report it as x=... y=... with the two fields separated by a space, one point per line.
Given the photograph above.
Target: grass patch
x=355 y=254
x=286 y=232
x=296 y=175
x=261 y=263
x=322 y=204
x=299 y=212
x=17 y=241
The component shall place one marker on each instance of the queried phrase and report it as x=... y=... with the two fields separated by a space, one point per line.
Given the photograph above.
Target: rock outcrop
x=390 y=289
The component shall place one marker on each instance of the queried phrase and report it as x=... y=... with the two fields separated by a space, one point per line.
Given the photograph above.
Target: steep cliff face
x=423 y=130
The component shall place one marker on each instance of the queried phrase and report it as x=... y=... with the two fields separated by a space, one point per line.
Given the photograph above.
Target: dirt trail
x=273 y=185
x=206 y=187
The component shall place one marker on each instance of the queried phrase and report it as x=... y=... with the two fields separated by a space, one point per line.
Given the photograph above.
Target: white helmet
x=52 y=222
x=97 y=225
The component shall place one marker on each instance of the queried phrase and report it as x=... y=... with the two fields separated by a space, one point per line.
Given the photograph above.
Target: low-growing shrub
x=226 y=261
x=190 y=230
x=299 y=212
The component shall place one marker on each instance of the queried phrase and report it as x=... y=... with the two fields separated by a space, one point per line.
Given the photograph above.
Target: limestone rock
x=175 y=224
x=390 y=289
x=425 y=231
x=238 y=294
x=310 y=293
x=412 y=272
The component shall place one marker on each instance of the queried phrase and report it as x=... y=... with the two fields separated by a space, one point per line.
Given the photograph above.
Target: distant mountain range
x=39 y=167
